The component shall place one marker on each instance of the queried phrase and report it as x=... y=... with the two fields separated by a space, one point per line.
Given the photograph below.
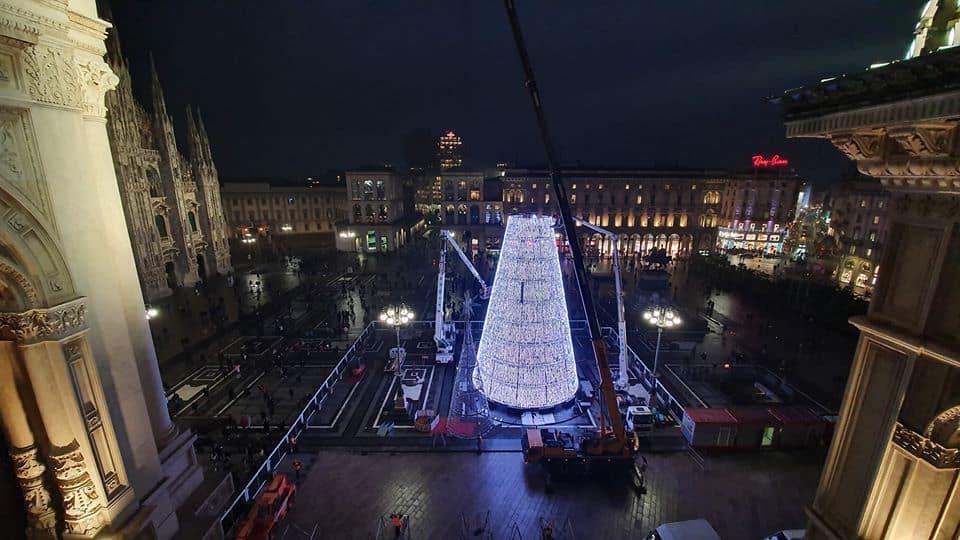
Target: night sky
x=295 y=87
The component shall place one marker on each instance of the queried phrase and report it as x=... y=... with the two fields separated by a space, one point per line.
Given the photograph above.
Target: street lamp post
x=661 y=317
x=397 y=316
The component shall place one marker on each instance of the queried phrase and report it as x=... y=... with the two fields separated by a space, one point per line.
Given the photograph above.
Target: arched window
x=161 y=226
x=357 y=215
x=153 y=180
x=382 y=213
x=192 y=218
x=450 y=214
x=369 y=213
x=462 y=214
x=711 y=197
x=474 y=215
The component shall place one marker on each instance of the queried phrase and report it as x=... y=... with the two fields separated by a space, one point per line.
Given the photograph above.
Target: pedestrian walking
x=479 y=444
x=296 y=469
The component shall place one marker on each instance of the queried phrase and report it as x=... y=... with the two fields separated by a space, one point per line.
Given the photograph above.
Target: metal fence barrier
x=265 y=472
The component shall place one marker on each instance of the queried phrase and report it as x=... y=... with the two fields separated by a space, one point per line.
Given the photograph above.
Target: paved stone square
x=745 y=496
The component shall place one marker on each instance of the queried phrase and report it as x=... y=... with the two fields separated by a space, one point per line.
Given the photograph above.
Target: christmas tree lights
x=525 y=358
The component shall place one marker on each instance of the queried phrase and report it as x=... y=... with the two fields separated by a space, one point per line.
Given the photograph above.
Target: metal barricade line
x=269 y=465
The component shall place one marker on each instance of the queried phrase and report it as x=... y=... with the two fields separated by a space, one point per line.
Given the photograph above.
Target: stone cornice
x=903 y=341
x=926 y=449
x=45 y=324
x=899 y=80
x=869 y=116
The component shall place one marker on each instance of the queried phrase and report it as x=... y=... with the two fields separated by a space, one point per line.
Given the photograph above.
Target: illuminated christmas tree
x=525 y=357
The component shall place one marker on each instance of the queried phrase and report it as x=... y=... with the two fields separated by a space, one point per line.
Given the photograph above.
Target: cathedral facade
x=171 y=201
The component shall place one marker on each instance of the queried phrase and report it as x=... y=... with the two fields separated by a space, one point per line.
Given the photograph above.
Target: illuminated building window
x=853 y=251
x=573 y=199
x=546 y=198
x=574 y=186
x=600 y=186
x=876 y=220
x=534 y=186
x=863 y=203
x=627 y=187
x=474 y=194
x=639 y=199
x=869 y=252
x=617 y=220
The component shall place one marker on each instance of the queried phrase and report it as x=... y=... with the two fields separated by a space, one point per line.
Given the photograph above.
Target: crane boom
x=444 y=347
x=607 y=391
x=621 y=320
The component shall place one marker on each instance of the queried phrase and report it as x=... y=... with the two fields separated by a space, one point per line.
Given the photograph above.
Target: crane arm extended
x=621 y=319
x=599 y=346
x=447 y=238
x=484 y=292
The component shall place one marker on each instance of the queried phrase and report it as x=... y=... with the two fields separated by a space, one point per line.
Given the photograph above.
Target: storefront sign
x=775 y=161
x=731 y=235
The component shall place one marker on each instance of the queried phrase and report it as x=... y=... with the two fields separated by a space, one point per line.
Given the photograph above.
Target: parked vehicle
x=694 y=529
x=640 y=420
x=269 y=510
x=790 y=534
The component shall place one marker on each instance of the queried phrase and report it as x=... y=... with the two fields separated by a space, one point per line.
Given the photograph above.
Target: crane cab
x=640 y=420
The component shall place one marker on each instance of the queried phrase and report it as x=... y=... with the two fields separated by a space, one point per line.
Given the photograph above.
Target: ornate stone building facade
x=858 y=224
x=82 y=408
x=380 y=216
x=171 y=201
x=676 y=209
x=893 y=465
x=283 y=207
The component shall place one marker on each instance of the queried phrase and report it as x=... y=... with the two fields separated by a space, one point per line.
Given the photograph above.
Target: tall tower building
x=450 y=150
x=171 y=201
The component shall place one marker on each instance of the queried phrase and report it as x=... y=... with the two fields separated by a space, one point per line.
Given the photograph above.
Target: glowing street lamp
x=661 y=317
x=151 y=312
x=397 y=316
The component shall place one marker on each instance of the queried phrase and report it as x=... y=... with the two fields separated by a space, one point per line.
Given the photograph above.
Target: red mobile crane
x=611 y=444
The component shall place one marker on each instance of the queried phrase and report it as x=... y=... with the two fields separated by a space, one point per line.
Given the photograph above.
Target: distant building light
x=286 y=228
x=879 y=65
x=775 y=161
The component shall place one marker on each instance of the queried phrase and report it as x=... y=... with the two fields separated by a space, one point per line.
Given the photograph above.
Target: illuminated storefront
x=759 y=241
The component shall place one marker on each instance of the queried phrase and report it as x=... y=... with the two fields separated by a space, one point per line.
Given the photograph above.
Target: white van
x=695 y=529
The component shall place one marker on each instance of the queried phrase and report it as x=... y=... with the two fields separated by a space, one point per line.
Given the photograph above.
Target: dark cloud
x=291 y=87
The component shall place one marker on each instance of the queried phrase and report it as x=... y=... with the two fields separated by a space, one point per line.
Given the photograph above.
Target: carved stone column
x=77 y=432
x=27 y=461
x=36 y=497
x=82 y=501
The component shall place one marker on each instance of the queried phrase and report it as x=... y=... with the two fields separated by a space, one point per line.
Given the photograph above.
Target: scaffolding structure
x=468 y=403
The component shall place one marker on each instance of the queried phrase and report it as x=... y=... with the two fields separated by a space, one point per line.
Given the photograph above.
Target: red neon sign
x=774 y=161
